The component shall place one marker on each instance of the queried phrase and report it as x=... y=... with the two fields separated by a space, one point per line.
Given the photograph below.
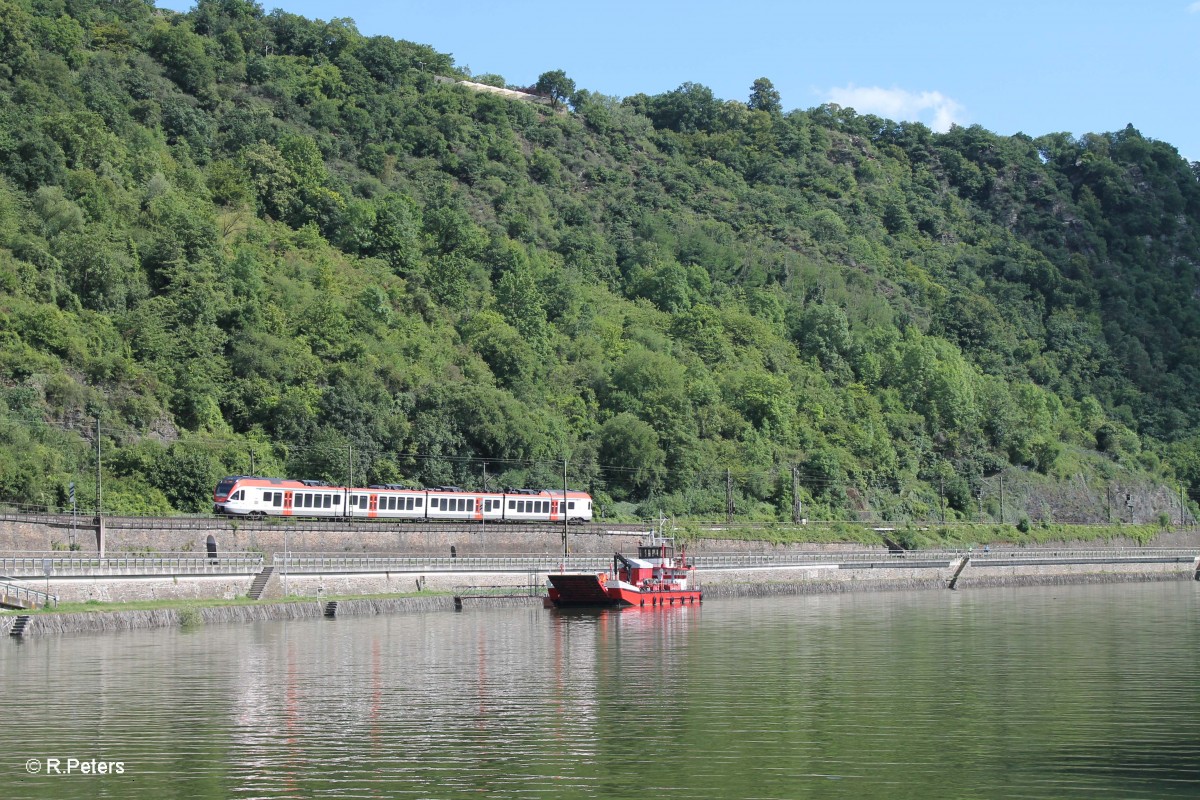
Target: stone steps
x=260 y=583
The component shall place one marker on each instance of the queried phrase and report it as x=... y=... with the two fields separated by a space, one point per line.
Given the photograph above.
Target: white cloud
x=1194 y=8
x=933 y=108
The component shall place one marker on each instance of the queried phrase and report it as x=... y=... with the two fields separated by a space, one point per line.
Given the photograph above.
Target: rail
x=13 y=595
x=86 y=516
x=319 y=563
x=31 y=565
x=25 y=565
x=342 y=563
x=979 y=557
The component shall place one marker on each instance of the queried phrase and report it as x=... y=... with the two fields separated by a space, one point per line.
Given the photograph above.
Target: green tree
x=555 y=85
x=764 y=97
x=632 y=461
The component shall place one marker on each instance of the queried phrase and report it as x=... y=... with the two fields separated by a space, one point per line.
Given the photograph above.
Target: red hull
x=587 y=589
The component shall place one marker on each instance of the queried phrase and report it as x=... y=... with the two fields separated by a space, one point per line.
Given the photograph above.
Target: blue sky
x=1013 y=66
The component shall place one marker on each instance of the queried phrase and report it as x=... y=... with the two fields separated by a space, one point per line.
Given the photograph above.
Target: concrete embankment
x=737 y=583
x=108 y=621
x=717 y=584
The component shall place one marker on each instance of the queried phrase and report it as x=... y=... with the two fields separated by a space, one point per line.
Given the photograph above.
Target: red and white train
x=251 y=496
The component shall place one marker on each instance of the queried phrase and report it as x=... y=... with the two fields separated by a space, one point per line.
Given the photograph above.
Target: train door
x=287 y=504
x=373 y=506
x=554 y=510
x=478 y=506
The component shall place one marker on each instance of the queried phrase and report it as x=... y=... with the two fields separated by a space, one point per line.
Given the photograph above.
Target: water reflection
x=1062 y=692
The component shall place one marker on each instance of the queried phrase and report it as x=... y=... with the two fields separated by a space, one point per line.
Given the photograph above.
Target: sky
x=1008 y=65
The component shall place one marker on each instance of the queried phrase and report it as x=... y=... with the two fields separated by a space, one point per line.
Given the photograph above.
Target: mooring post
x=961 y=566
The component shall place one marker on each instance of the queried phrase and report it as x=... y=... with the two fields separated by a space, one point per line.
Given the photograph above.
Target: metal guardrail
x=317 y=563
x=34 y=565
x=342 y=563
x=978 y=557
x=11 y=594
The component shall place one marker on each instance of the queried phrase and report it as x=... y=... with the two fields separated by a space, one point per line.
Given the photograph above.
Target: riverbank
x=99 y=618
x=961 y=574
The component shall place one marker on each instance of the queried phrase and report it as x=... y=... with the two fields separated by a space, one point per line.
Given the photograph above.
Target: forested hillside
x=236 y=241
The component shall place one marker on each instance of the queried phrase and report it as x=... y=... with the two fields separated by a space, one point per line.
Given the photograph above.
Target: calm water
x=1064 y=692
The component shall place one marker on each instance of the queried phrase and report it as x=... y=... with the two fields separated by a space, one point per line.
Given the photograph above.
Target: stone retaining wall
x=809 y=579
x=232 y=535
x=108 y=589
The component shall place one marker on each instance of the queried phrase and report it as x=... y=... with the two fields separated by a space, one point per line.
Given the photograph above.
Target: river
x=1050 y=692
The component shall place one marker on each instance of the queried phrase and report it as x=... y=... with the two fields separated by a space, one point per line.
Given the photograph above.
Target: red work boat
x=655 y=578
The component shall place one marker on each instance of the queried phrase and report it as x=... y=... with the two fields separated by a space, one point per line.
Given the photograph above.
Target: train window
x=308 y=501
x=512 y=505
x=435 y=503
x=571 y=505
x=392 y=503
x=278 y=499
x=520 y=506
x=408 y=504
x=337 y=499
x=329 y=501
